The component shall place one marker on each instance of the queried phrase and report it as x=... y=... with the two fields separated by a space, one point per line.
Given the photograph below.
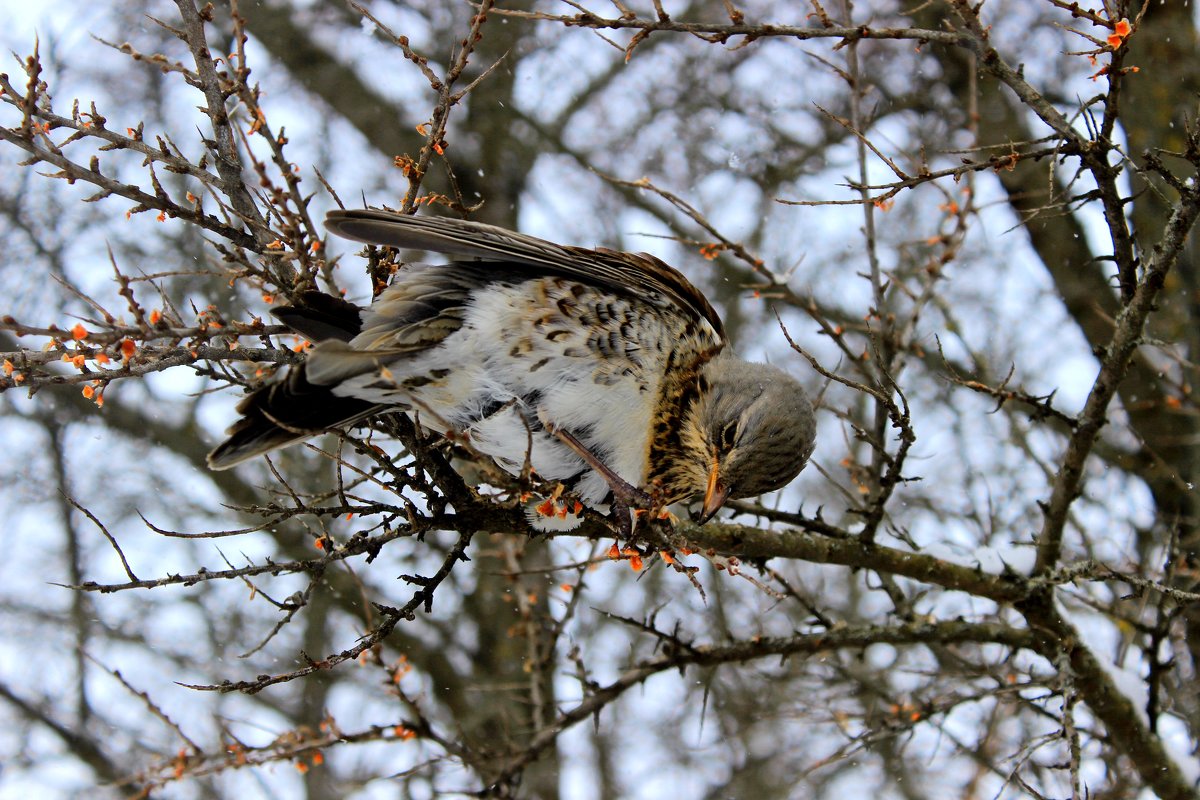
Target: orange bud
x=79 y=332
x=128 y=348
x=88 y=392
x=8 y=367
x=155 y=316
x=102 y=358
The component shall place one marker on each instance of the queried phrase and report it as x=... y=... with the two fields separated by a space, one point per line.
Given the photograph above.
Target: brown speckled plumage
x=608 y=370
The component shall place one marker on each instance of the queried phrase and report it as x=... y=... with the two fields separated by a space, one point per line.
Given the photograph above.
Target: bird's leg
x=625 y=494
x=623 y=517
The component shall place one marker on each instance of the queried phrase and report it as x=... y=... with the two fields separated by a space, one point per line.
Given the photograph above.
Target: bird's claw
x=626 y=496
x=630 y=502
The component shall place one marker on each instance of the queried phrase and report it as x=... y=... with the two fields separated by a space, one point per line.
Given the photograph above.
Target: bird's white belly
x=516 y=364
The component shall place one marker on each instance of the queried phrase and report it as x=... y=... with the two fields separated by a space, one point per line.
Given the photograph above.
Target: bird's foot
x=655 y=505
x=622 y=518
x=646 y=507
x=626 y=496
x=631 y=504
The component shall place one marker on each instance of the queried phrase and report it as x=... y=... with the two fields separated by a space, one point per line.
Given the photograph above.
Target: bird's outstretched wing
x=637 y=274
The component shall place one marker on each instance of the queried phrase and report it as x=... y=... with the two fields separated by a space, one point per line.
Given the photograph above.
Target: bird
x=605 y=371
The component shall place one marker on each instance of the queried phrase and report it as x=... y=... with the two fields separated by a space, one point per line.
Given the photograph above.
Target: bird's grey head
x=751 y=432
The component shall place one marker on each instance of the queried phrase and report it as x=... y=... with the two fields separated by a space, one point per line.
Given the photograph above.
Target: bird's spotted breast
x=541 y=347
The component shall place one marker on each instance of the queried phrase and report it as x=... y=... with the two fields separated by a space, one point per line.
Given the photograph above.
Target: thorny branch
x=421 y=599
x=679 y=655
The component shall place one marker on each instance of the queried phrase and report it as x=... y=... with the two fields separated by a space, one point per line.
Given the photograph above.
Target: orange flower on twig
x=1120 y=33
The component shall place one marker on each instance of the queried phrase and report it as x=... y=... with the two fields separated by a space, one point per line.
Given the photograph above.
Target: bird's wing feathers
x=627 y=273
x=318 y=316
x=426 y=304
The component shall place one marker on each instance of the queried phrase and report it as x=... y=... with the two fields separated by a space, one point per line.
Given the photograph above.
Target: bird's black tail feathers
x=294 y=409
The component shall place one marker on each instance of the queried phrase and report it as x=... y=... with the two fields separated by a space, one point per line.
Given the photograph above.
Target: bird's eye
x=728 y=436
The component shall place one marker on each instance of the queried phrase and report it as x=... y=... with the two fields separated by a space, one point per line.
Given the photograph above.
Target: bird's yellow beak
x=715 y=494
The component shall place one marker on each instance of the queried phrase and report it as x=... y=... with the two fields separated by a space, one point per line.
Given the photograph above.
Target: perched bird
x=603 y=370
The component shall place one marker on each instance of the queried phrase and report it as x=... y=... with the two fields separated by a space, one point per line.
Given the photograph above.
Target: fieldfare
x=605 y=371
